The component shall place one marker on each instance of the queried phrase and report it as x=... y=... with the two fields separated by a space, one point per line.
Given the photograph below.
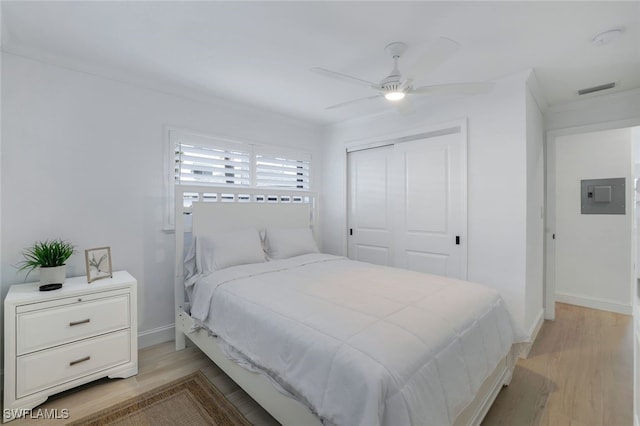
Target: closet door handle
x=84 y=321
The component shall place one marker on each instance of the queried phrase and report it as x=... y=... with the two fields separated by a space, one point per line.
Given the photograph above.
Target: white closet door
x=430 y=223
x=407 y=205
x=369 y=213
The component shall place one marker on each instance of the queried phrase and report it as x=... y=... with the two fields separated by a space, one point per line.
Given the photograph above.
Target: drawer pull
x=78 y=361
x=84 y=321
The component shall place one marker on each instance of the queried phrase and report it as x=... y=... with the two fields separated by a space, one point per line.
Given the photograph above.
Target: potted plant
x=50 y=256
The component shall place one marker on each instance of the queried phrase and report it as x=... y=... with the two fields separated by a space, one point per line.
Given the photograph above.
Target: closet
x=407 y=202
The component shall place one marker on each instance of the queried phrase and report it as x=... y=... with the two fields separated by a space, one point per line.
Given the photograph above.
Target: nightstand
x=56 y=340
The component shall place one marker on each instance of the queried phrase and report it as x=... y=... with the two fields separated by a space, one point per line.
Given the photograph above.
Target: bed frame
x=237 y=209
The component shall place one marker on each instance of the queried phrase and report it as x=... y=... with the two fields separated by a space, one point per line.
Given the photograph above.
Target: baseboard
x=156 y=336
x=594 y=303
x=533 y=334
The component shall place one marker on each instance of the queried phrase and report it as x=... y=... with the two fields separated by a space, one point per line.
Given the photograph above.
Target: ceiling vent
x=596 y=88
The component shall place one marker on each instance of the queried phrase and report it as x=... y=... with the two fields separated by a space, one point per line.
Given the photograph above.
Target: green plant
x=46 y=254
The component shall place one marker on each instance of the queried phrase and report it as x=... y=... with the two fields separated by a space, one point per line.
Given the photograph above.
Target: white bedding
x=359 y=344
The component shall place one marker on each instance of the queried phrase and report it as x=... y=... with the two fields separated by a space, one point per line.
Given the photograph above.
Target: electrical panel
x=602 y=196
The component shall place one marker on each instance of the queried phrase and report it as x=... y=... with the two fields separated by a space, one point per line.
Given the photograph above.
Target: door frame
x=550 y=198
x=414 y=133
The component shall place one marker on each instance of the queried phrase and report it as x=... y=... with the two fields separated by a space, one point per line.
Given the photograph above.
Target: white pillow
x=231 y=248
x=282 y=243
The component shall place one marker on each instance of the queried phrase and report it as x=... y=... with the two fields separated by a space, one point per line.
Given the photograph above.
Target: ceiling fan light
x=394 y=96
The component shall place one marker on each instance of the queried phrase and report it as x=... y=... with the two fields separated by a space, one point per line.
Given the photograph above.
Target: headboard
x=204 y=209
x=225 y=216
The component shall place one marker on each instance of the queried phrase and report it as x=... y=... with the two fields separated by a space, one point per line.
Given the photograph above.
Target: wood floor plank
x=578 y=373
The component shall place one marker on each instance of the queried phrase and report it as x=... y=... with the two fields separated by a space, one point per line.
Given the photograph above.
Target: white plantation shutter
x=280 y=171
x=219 y=162
x=211 y=166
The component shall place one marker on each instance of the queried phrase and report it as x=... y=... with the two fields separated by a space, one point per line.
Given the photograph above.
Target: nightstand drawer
x=41 y=370
x=41 y=329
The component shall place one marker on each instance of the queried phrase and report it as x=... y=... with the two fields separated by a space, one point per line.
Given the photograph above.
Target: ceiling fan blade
x=353 y=101
x=437 y=54
x=343 y=77
x=454 y=89
x=404 y=106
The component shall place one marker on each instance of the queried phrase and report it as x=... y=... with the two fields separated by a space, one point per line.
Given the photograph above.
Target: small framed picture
x=98 y=262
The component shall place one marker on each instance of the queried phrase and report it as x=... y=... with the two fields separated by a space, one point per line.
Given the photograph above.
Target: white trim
x=537 y=325
x=421 y=132
x=156 y=336
x=591 y=101
x=533 y=334
x=549 y=286
x=594 y=303
x=606 y=125
x=464 y=133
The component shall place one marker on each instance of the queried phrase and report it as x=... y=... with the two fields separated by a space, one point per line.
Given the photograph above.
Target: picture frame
x=98 y=263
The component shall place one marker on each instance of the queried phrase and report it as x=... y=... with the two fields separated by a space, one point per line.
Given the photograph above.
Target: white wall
x=593 y=252
x=497 y=183
x=83 y=159
x=1 y=268
x=635 y=148
x=535 y=214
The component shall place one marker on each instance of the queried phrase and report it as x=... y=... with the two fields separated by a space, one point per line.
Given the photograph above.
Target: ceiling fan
x=394 y=87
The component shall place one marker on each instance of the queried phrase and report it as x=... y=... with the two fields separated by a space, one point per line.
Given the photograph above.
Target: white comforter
x=359 y=344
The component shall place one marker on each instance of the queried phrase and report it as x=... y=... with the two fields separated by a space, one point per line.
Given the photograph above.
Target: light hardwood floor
x=579 y=372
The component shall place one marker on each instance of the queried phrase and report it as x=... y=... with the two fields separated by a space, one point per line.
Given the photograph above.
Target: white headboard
x=225 y=216
x=205 y=209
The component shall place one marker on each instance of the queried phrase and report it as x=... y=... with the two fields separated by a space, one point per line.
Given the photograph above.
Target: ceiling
x=261 y=53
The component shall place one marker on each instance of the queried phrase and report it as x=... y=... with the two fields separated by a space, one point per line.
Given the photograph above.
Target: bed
x=320 y=339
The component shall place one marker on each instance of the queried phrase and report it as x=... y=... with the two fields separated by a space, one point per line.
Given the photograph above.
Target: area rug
x=191 y=400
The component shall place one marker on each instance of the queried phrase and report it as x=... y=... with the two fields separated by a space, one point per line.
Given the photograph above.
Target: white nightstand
x=56 y=340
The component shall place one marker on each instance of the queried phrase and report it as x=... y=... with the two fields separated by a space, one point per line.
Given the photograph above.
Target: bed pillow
x=283 y=243
x=231 y=248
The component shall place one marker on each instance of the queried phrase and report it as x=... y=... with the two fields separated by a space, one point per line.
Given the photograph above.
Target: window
x=202 y=165
x=279 y=171
x=210 y=161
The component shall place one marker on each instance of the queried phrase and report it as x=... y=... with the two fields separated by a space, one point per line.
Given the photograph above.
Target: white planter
x=53 y=274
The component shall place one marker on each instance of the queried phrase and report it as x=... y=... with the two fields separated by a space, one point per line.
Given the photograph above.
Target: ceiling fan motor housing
x=393 y=86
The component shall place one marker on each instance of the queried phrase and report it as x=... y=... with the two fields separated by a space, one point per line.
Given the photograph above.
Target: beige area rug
x=191 y=400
